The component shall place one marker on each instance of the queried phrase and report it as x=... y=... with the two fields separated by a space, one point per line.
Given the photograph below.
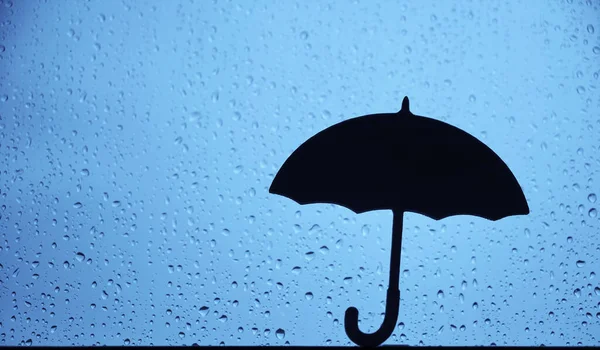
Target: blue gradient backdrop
x=138 y=141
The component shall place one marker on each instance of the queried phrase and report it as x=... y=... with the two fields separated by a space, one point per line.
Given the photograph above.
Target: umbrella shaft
x=396 y=250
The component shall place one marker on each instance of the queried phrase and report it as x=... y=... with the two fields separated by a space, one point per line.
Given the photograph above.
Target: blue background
x=139 y=139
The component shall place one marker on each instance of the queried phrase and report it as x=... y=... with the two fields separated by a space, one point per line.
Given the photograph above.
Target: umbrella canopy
x=401 y=161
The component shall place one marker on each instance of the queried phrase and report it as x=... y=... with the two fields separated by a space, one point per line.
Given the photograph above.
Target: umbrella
x=406 y=163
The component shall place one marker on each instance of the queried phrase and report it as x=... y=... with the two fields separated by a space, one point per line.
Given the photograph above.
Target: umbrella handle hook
x=389 y=322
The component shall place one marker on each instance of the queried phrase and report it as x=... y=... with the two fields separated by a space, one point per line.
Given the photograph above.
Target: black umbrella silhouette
x=403 y=162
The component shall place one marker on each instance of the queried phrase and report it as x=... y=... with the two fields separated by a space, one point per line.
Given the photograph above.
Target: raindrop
x=303 y=35
x=324 y=249
x=577 y=292
x=80 y=256
x=203 y=311
x=84 y=172
x=590 y=29
x=593 y=213
x=296 y=270
x=472 y=98
x=308 y=296
x=440 y=294
x=580 y=263
x=592 y=197
x=77 y=205
x=338 y=243
x=365 y=230
x=309 y=256
x=280 y=333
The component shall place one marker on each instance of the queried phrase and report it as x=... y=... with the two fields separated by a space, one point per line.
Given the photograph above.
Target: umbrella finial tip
x=405 y=104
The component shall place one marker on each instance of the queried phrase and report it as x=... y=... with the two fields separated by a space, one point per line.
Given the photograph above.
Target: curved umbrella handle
x=392 y=307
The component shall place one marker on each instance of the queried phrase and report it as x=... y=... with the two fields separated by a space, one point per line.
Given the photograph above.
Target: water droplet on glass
x=590 y=29
x=580 y=263
x=593 y=213
x=309 y=256
x=592 y=197
x=308 y=296
x=303 y=35
x=80 y=256
x=577 y=292
x=203 y=311
x=440 y=294
x=77 y=205
x=365 y=230
x=280 y=333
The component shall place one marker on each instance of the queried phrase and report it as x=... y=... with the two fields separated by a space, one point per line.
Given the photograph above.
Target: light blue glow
x=145 y=134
